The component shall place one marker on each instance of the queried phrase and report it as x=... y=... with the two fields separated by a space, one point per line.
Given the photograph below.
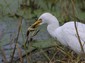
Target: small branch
x=29 y=39
x=36 y=49
x=24 y=55
x=47 y=57
x=4 y=55
x=20 y=54
x=73 y=5
x=16 y=39
x=79 y=38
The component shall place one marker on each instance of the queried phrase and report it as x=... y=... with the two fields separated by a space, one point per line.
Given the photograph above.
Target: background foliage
x=30 y=10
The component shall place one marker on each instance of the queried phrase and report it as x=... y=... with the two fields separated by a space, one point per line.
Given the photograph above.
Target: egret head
x=44 y=18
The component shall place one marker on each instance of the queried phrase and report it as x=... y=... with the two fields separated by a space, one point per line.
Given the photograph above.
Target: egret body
x=65 y=34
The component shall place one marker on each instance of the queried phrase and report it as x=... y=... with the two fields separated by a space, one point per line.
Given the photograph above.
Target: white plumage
x=65 y=34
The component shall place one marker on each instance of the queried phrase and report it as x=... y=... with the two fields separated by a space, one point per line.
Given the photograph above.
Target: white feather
x=65 y=34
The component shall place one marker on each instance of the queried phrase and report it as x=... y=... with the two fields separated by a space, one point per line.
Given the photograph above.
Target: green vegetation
x=17 y=15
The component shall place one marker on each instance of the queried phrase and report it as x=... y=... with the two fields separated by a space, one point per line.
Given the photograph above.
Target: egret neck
x=53 y=24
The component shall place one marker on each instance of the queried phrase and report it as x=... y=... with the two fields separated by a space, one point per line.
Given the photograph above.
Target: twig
x=16 y=39
x=52 y=57
x=20 y=54
x=24 y=55
x=30 y=38
x=4 y=56
x=45 y=54
x=64 y=52
x=76 y=27
x=36 y=49
x=79 y=38
x=77 y=18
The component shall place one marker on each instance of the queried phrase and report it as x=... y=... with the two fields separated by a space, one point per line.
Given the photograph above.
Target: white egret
x=65 y=34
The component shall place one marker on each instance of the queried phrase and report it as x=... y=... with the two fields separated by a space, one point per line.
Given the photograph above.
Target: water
x=8 y=30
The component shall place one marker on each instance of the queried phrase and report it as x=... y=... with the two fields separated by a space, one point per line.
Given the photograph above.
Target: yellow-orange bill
x=33 y=26
x=36 y=24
